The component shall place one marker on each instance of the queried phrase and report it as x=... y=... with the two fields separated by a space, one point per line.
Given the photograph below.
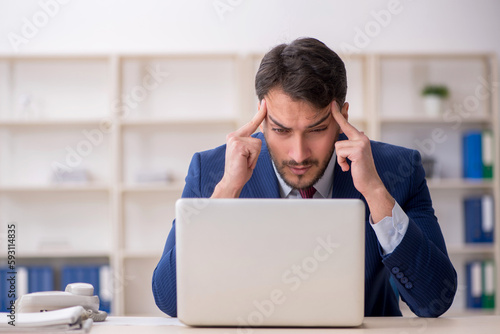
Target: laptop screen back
x=270 y=262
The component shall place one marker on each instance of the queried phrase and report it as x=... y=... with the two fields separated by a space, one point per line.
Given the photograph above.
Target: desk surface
x=399 y=325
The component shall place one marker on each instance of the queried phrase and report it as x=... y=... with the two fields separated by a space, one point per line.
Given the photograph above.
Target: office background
x=95 y=98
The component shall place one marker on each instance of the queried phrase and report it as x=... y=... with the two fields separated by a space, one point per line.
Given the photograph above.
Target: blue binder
x=40 y=279
x=472 y=155
x=473 y=219
x=474 y=284
x=3 y=289
x=84 y=274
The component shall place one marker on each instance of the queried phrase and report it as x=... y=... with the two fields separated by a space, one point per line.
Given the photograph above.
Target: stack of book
x=14 y=284
x=481 y=284
x=42 y=278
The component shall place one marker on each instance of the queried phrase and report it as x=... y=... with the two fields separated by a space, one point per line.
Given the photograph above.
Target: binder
x=22 y=281
x=3 y=289
x=472 y=155
x=488 y=273
x=487 y=218
x=479 y=219
x=474 y=284
x=40 y=279
x=98 y=276
x=473 y=219
x=105 y=288
x=488 y=152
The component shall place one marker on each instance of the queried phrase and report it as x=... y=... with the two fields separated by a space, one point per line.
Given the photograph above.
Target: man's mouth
x=299 y=170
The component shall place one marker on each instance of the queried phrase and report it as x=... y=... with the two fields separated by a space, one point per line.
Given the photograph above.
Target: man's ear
x=345 y=111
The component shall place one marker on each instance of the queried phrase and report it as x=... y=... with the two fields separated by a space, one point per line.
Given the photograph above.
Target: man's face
x=300 y=138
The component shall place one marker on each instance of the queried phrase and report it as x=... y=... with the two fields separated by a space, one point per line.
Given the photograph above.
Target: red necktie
x=307 y=192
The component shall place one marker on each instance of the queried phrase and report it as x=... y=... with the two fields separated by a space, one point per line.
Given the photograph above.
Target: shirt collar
x=323 y=187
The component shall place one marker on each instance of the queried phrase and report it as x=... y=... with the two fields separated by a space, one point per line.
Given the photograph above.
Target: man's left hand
x=364 y=174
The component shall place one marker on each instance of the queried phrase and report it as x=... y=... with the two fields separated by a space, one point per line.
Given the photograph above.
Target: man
x=307 y=148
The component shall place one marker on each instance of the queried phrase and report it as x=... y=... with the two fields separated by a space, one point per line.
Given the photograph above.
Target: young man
x=307 y=149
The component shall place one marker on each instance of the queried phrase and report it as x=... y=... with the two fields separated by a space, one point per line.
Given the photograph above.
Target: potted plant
x=434 y=95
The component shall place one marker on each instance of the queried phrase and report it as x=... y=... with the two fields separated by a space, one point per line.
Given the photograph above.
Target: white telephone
x=76 y=294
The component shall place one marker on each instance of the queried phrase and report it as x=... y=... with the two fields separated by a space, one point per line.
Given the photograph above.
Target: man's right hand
x=242 y=152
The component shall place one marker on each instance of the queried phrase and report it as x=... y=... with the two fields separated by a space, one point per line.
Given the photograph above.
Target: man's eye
x=280 y=130
x=318 y=130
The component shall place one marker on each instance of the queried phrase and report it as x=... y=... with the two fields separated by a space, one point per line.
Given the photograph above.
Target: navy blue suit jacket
x=420 y=267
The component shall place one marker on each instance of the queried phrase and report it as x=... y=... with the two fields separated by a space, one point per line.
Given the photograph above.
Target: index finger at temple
x=249 y=128
x=345 y=126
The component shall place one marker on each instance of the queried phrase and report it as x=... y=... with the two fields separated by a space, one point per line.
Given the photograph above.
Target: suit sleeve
x=420 y=266
x=164 y=281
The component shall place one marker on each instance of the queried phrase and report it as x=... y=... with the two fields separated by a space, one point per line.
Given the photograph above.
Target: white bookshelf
x=47 y=102
x=401 y=120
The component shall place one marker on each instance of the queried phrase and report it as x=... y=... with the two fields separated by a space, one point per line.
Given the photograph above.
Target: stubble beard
x=281 y=167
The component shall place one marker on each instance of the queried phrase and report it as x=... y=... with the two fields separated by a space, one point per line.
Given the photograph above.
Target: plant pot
x=433 y=105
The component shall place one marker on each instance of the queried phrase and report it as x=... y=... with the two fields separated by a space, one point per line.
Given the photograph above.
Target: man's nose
x=299 y=150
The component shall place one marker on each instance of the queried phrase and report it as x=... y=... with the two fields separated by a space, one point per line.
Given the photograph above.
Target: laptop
x=270 y=262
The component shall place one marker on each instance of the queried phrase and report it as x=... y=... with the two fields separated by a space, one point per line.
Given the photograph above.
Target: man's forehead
x=315 y=118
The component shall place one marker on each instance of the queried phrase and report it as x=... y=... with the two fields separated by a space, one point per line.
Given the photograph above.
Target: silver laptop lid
x=270 y=262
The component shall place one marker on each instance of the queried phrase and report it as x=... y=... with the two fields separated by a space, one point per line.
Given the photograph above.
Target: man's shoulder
x=387 y=150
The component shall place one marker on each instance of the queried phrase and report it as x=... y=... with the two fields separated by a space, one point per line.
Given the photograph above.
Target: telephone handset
x=75 y=294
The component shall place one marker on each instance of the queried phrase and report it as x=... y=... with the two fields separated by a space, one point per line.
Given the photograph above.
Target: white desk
x=396 y=325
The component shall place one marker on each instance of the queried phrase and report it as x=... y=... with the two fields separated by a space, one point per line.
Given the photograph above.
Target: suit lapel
x=343 y=187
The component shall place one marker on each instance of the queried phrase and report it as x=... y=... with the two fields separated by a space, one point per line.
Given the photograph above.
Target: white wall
x=88 y=26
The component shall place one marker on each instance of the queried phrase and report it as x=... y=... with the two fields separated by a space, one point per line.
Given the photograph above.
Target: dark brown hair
x=305 y=69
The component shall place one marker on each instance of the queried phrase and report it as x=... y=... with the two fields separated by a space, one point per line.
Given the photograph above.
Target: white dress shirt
x=389 y=231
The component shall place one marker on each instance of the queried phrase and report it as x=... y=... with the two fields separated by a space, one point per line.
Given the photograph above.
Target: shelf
x=432 y=120
x=162 y=132
x=55 y=188
x=49 y=123
x=175 y=187
x=456 y=184
x=142 y=255
x=63 y=253
x=472 y=249
x=178 y=123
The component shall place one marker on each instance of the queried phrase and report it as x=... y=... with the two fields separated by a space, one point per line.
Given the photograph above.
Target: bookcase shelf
x=151 y=112
x=49 y=123
x=458 y=184
x=64 y=254
x=469 y=249
x=54 y=188
x=144 y=188
x=432 y=120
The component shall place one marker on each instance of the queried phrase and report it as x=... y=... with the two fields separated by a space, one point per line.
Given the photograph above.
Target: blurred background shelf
x=452 y=184
x=126 y=118
x=55 y=188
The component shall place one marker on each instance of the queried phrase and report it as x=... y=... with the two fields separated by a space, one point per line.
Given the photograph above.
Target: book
x=487 y=218
x=474 y=284
x=488 y=285
x=487 y=153
x=473 y=218
x=4 y=288
x=98 y=276
x=472 y=155
x=479 y=219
